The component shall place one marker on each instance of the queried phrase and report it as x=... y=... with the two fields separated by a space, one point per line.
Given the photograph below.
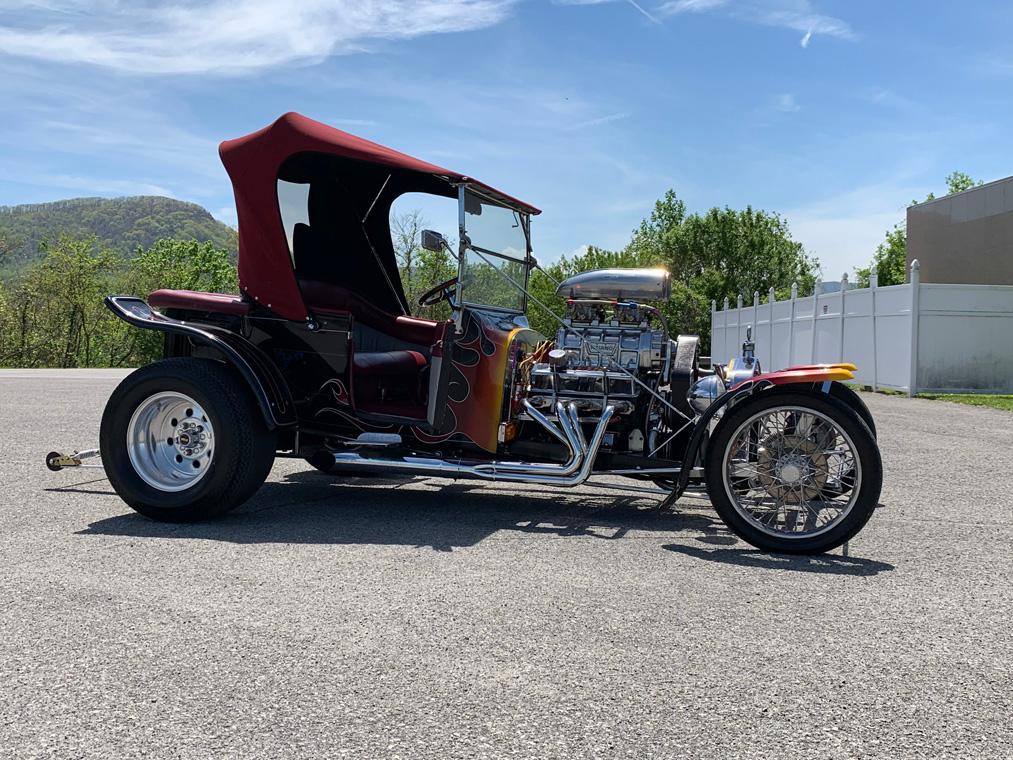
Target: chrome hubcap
x=791 y=471
x=170 y=441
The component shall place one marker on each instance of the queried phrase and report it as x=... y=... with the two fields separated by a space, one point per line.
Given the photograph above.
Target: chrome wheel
x=792 y=472
x=170 y=441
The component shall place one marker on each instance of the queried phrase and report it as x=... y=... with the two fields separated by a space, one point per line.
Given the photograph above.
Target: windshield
x=499 y=246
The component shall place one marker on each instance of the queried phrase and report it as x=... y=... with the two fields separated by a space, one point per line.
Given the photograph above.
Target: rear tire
x=141 y=432
x=800 y=456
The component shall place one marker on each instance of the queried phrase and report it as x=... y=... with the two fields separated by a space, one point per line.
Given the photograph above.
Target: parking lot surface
x=427 y=618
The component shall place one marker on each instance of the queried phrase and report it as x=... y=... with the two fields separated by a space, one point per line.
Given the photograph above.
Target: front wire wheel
x=794 y=473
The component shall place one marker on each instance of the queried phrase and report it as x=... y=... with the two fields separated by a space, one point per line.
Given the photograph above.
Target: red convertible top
x=254 y=162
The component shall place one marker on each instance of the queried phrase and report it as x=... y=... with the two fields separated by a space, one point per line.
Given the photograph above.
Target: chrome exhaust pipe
x=571 y=438
x=575 y=471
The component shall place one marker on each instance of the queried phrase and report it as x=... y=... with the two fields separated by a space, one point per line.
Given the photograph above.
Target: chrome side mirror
x=705 y=392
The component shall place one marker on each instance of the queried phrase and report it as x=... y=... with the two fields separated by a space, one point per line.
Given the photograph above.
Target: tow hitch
x=56 y=461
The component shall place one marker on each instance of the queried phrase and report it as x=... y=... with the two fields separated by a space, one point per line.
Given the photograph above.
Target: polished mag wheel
x=183 y=439
x=170 y=441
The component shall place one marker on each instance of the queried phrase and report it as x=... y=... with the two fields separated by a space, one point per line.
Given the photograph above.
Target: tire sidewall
x=218 y=401
x=865 y=449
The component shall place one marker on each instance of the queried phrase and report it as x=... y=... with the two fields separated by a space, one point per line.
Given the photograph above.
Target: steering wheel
x=443 y=292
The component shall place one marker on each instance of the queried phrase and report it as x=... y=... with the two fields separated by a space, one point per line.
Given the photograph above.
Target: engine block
x=599 y=335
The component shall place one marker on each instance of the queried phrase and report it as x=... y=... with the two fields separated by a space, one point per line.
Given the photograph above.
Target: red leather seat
x=323 y=296
x=390 y=382
x=195 y=300
x=388 y=363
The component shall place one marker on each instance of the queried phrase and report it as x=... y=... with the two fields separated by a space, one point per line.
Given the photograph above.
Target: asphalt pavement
x=386 y=618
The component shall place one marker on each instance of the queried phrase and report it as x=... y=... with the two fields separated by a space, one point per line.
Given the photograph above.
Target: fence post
x=791 y=325
x=816 y=304
x=915 y=318
x=770 y=324
x=873 y=284
x=724 y=342
x=756 y=316
x=844 y=311
x=738 y=325
x=714 y=324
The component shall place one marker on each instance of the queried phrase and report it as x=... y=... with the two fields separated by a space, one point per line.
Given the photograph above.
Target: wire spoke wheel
x=170 y=441
x=792 y=472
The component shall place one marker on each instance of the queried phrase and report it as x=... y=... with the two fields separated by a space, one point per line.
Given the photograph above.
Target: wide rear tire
x=182 y=440
x=773 y=486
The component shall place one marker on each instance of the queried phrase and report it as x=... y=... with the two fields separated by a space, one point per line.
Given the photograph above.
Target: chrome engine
x=615 y=351
x=598 y=336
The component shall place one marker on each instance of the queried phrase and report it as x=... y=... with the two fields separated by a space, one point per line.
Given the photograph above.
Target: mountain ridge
x=120 y=224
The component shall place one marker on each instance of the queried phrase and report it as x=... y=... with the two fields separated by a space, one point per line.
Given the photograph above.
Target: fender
x=816 y=375
x=813 y=379
x=268 y=387
x=809 y=373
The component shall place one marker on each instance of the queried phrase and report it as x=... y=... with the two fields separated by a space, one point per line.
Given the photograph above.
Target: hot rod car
x=320 y=358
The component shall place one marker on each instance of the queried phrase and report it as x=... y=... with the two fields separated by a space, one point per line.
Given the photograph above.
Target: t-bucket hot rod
x=320 y=358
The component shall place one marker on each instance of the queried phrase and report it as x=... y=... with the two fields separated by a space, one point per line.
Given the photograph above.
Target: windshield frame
x=463 y=190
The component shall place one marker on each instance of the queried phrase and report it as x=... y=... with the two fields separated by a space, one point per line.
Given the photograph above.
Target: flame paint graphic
x=478 y=381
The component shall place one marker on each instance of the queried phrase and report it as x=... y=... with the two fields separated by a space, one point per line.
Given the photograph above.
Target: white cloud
x=594 y=122
x=89 y=186
x=798 y=15
x=226 y=36
x=844 y=230
x=786 y=103
x=692 y=6
x=632 y=3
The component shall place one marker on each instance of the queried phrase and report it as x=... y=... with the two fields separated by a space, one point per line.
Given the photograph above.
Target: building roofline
x=962 y=192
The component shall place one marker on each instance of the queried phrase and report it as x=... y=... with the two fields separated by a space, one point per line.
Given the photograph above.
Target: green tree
x=6 y=325
x=183 y=265
x=722 y=252
x=420 y=269
x=56 y=313
x=958 y=182
x=890 y=259
x=179 y=265
x=53 y=316
x=121 y=225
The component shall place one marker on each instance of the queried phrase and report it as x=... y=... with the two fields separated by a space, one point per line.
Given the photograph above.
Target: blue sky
x=835 y=114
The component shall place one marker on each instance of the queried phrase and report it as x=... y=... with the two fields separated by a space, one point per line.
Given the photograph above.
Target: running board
x=375 y=439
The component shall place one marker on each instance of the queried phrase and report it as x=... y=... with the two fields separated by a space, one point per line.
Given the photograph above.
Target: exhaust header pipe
x=573 y=472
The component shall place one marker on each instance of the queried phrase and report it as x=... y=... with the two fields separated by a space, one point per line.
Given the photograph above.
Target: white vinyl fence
x=912 y=337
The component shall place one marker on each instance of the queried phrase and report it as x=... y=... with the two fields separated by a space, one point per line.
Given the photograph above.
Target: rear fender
x=265 y=382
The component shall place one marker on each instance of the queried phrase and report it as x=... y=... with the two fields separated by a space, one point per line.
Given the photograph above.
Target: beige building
x=965 y=238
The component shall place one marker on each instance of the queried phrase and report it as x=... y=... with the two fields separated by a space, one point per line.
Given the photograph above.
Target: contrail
x=640 y=8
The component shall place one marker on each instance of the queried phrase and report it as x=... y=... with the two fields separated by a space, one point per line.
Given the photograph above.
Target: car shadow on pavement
x=309 y=507
x=313 y=508
x=832 y=564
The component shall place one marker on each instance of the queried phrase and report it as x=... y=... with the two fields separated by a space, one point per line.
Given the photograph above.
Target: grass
x=973 y=399
x=993 y=401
